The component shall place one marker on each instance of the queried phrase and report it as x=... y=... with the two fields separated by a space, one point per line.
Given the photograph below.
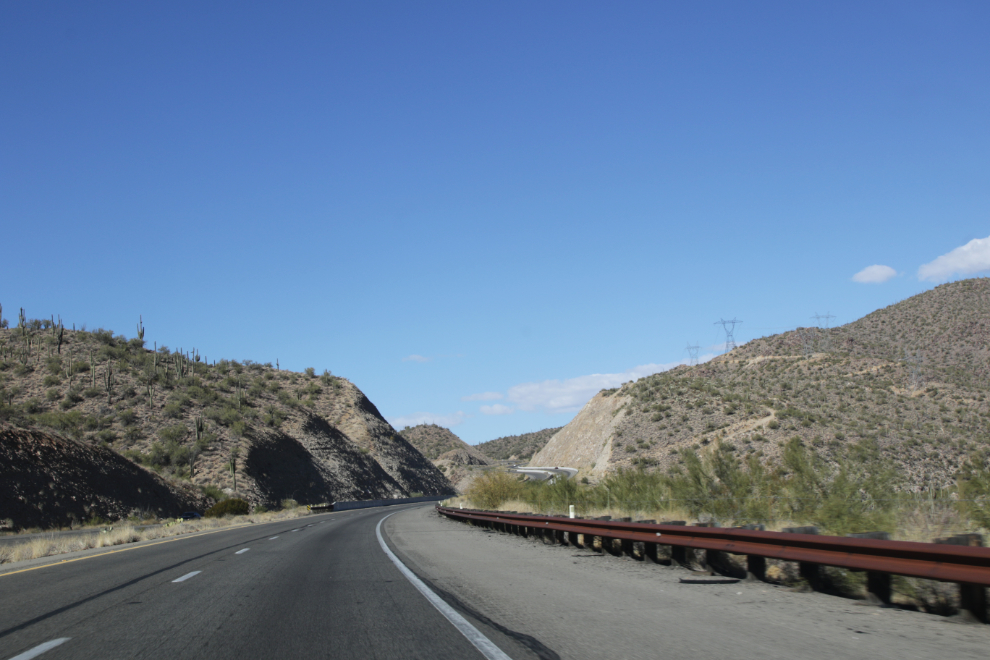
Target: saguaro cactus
x=109 y=381
x=140 y=328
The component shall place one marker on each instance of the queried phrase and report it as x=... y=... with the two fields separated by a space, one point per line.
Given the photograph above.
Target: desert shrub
x=172 y=409
x=32 y=406
x=260 y=509
x=173 y=433
x=238 y=428
x=491 y=489
x=51 y=380
x=52 y=395
x=213 y=492
x=127 y=417
x=974 y=488
x=107 y=435
x=311 y=372
x=289 y=504
x=92 y=392
x=66 y=422
x=229 y=507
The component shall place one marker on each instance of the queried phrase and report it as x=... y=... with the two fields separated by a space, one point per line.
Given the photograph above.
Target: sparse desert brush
x=491 y=489
x=228 y=507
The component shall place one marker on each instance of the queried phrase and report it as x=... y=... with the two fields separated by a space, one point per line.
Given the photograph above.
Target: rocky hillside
x=432 y=441
x=243 y=427
x=50 y=481
x=452 y=456
x=517 y=447
x=852 y=383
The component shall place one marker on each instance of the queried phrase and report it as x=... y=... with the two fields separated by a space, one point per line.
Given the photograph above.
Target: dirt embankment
x=49 y=481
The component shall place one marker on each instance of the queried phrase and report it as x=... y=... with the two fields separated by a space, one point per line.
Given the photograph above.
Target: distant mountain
x=913 y=377
x=452 y=456
x=517 y=447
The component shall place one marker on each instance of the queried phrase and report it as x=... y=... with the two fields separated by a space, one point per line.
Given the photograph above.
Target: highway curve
x=323 y=587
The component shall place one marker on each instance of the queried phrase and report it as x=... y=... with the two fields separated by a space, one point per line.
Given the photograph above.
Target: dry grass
x=56 y=544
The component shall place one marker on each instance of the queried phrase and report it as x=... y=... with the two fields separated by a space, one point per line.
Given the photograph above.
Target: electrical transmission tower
x=824 y=333
x=729 y=327
x=692 y=354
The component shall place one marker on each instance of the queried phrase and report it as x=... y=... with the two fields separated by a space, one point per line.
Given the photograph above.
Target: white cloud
x=484 y=396
x=416 y=358
x=966 y=260
x=427 y=418
x=497 y=409
x=560 y=396
x=875 y=274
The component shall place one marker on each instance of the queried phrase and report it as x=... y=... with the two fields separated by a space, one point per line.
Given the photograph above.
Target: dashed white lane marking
x=40 y=648
x=187 y=576
x=241 y=552
x=480 y=642
x=295 y=530
x=273 y=538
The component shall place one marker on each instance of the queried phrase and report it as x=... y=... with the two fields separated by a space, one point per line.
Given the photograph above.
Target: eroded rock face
x=48 y=481
x=586 y=442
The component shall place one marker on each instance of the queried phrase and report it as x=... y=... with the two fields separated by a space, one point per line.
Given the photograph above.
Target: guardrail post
x=809 y=571
x=678 y=553
x=644 y=549
x=878 y=584
x=756 y=568
x=972 y=597
x=625 y=547
x=756 y=565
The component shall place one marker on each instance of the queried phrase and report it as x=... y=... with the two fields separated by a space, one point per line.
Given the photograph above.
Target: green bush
x=492 y=489
x=229 y=507
x=213 y=492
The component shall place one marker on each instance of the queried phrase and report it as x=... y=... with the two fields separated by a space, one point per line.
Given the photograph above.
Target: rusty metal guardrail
x=966 y=565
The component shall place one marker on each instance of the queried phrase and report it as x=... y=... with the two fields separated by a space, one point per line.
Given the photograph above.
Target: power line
x=729 y=327
x=693 y=354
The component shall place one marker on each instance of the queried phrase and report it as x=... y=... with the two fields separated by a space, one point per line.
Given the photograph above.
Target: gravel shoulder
x=552 y=601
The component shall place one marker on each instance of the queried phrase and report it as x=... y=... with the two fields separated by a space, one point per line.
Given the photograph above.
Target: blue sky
x=481 y=213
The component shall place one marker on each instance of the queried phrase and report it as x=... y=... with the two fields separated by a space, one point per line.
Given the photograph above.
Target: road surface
x=323 y=586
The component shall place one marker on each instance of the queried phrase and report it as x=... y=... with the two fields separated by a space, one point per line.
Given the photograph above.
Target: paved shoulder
x=576 y=604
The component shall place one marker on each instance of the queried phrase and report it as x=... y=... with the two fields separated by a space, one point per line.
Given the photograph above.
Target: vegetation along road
x=324 y=586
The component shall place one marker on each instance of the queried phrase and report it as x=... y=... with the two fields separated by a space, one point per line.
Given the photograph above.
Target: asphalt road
x=323 y=586
x=317 y=587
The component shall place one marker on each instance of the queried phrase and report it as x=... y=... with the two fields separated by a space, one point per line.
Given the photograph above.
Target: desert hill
x=433 y=440
x=828 y=388
x=49 y=481
x=516 y=447
x=452 y=456
x=266 y=434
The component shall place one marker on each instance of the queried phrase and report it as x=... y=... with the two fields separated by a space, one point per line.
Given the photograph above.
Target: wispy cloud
x=427 y=418
x=569 y=395
x=416 y=358
x=484 y=396
x=875 y=274
x=497 y=409
x=965 y=260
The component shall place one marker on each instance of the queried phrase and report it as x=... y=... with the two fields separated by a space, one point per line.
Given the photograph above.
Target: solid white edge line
x=40 y=648
x=187 y=576
x=241 y=552
x=473 y=635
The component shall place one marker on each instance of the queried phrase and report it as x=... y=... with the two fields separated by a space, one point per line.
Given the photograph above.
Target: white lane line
x=40 y=648
x=480 y=642
x=241 y=552
x=273 y=538
x=187 y=576
x=295 y=530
